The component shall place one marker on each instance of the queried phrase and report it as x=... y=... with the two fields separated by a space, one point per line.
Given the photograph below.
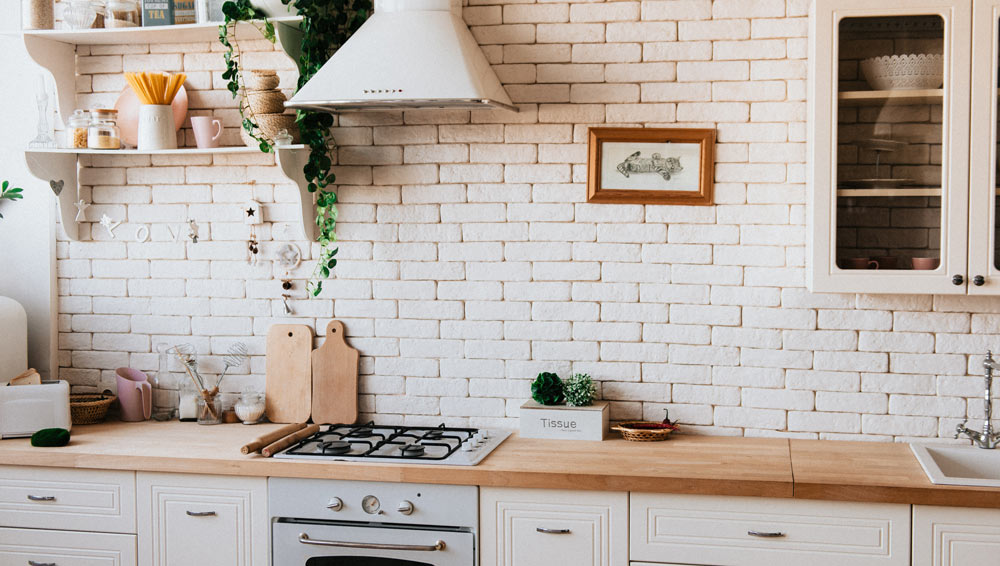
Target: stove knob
x=468 y=446
x=335 y=504
x=405 y=507
x=484 y=434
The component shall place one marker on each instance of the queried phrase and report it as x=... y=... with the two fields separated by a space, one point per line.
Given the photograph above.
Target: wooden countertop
x=767 y=467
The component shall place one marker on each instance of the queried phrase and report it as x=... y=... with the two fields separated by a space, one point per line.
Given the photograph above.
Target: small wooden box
x=564 y=422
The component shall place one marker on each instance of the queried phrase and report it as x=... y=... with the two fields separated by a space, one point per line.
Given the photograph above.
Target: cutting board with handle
x=288 y=396
x=335 y=379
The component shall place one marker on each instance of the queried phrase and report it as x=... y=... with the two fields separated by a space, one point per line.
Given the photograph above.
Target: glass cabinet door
x=984 y=199
x=892 y=195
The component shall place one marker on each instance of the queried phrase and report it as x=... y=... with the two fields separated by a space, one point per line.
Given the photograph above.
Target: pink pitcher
x=135 y=394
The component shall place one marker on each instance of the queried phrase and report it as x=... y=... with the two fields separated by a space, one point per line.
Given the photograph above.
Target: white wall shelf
x=59 y=168
x=179 y=151
x=184 y=33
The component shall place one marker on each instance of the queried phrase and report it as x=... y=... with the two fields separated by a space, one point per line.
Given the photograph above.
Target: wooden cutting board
x=335 y=379
x=288 y=396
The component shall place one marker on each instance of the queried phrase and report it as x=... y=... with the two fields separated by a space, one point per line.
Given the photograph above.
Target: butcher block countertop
x=708 y=465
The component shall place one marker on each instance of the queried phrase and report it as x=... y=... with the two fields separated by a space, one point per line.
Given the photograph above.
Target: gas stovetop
x=400 y=444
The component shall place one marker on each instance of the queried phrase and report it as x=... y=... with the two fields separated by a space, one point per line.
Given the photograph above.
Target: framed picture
x=651 y=165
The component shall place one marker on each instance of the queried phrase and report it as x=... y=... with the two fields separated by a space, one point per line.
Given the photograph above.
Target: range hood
x=408 y=54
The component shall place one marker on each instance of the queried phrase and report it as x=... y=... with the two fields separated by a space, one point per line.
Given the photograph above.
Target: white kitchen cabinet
x=536 y=527
x=954 y=536
x=67 y=499
x=898 y=204
x=752 y=531
x=187 y=519
x=65 y=548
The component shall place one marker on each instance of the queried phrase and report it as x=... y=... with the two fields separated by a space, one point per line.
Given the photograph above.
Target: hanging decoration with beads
x=252 y=217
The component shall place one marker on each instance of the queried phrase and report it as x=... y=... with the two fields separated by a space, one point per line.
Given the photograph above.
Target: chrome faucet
x=987 y=438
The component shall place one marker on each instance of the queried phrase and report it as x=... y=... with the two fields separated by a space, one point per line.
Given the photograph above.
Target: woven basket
x=270 y=126
x=642 y=434
x=89 y=408
x=261 y=80
x=265 y=101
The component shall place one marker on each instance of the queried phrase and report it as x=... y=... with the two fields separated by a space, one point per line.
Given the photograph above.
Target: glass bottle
x=45 y=135
x=103 y=132
x=187 y=407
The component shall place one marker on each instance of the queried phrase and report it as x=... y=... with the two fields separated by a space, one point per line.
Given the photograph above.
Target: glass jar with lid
x=77 y=127
x=100 y=6
x=121 y=14
x=103 y=132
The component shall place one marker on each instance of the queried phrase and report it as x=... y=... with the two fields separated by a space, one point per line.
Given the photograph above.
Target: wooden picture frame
x=629 y=166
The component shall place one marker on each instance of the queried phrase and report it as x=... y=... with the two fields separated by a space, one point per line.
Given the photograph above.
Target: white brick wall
x=470 y=262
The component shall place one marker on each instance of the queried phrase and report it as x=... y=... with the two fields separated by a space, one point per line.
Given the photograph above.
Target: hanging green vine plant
x=325 y=26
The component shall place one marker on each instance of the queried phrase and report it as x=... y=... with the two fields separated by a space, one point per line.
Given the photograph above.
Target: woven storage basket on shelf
x=89 y=408
x=261 y=80
x=642 y=434
x=270 y=126
x=265 y=101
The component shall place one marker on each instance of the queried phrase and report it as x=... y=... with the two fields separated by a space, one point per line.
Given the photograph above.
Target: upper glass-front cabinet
x=984 y=200
x=890 y=126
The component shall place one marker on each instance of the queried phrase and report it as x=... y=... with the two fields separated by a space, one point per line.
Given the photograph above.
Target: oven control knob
x=335 y=504
x=405 y=507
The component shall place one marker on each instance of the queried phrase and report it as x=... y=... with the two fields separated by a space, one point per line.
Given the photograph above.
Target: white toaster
x=27 y=409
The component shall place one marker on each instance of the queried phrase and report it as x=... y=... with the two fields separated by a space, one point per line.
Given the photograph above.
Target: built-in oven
x=349 y=523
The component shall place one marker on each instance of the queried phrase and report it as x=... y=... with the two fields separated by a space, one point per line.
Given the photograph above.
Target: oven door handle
x=439 y=545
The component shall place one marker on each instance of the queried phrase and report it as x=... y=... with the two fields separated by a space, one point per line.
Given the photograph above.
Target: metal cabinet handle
x=200 y=513
x=957 y=280
x=765 y=534
x=41 y=498
x=439 y=545
x=33 y=563
x=552 y=531
x=978 y=280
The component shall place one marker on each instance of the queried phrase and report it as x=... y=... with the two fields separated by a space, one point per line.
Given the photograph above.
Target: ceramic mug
x=135 y=395
x=156 y=127
x=858 y=263
x=925 y=263
x=207 y=131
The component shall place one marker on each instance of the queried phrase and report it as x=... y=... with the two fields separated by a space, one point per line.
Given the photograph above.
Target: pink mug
x=135 y=395
x=203 y=131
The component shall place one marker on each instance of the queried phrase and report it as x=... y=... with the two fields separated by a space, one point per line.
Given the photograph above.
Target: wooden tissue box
x=564 y=422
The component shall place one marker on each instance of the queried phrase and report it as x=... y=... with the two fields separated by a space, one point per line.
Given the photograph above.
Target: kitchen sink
x=959 y=465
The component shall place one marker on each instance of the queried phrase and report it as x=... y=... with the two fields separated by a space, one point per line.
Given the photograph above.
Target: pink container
x=135 y=394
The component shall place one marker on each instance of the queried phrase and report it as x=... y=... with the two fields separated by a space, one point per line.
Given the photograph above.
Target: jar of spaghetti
x=103 y=132
x=121 y=14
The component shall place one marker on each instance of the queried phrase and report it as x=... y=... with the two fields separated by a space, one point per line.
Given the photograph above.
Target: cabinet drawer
x=528 y=527
x=752 y=531
x=65 y=548
x=67 y=499
x=187 y=519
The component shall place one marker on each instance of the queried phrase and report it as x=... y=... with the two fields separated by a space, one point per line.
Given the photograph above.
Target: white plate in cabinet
x=952 y=536
x=65 y=548
x=750 y=531
x=67 y=499
x=538 y=527
x=188 y=519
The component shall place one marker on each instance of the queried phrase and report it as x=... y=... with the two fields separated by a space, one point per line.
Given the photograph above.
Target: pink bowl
x=128 y=114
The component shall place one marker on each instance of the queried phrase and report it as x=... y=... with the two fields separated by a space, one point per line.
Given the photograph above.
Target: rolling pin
x=262 y=441
x=287 y=441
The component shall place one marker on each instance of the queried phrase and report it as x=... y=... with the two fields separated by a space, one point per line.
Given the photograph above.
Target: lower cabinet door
x=187 y=519
x=756 y=531
x=65 y=548
x=536 y=527
x=952 y=536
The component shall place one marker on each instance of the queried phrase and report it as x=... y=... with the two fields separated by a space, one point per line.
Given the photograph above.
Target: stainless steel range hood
x=409 y=54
